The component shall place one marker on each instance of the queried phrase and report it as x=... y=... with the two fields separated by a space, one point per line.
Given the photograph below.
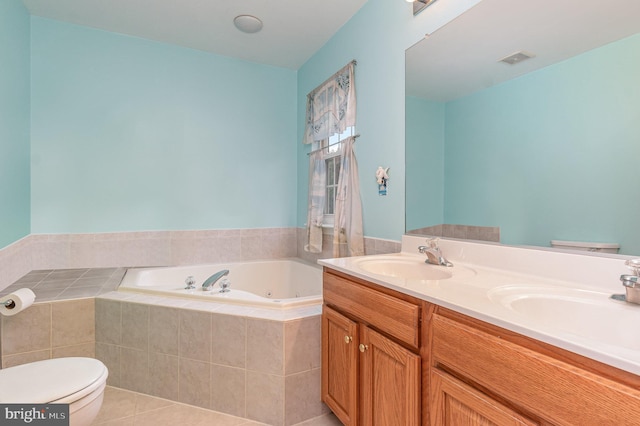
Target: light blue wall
x=14 y=122
x=376 y=37
x=425 y=158
x=129 y=134
x=553 y=154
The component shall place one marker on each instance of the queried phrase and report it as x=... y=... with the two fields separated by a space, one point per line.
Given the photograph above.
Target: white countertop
x=560 y=298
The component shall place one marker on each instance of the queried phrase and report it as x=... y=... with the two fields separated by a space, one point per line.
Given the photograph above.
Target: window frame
x=333 y=145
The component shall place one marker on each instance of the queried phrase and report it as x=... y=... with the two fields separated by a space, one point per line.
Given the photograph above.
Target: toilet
x=586 y=246
x=79 y=382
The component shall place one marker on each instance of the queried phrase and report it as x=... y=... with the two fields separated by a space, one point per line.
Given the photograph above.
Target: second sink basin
x=408 y=269
x=588 y=314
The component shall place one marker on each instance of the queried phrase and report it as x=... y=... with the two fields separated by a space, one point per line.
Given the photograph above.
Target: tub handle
x=190 y=281
x=224 y=285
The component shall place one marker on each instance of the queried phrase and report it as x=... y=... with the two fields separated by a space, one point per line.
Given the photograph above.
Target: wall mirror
x=542 y=146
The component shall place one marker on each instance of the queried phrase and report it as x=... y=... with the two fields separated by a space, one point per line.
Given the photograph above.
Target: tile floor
x=126 y=408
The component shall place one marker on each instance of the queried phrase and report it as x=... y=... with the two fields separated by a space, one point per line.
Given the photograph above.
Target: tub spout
x=208 y=284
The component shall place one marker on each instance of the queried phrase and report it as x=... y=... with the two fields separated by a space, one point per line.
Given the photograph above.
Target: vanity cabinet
x=371 y=363
x=455 y=403
x=484 y=375
x=391 y=359
x=340 y=365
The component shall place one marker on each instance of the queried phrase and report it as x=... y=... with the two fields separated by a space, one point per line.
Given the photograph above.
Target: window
x=333 y=171
x=333 y=160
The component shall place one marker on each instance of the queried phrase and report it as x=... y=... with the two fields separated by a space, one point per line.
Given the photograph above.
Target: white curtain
x=315 y=212
x=331 y=107
x=348 y=236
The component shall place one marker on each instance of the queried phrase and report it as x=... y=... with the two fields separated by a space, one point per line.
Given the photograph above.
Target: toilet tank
x=586 y=246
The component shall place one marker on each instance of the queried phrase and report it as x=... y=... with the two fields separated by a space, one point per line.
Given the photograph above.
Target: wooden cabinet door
x=390 y=382
x=340 y=365
x=454 y=403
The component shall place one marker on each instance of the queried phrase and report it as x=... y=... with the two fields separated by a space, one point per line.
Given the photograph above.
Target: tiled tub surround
x=62 y=322
x=49 y=330
x=67 y=284
x=121 y=249
x=154 y=248
x=56 y=326
x=265 y=366
x=249 y=366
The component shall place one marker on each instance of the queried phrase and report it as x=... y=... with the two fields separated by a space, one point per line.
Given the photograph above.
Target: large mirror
x=542 y=146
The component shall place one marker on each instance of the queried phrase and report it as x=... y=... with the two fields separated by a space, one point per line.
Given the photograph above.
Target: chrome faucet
x=208 y=284
x=434 y=255
x=631 y=282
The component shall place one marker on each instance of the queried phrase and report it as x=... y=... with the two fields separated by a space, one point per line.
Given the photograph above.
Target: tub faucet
x=434 y=255
x=208 y=284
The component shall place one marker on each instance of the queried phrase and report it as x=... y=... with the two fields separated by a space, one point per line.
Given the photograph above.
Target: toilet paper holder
x=16 y=302
x=9 y=304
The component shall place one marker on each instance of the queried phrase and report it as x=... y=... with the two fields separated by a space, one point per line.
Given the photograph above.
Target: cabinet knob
x=363 y=347
x=347 y=339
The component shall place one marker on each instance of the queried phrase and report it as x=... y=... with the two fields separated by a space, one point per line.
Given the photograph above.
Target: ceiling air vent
x=516 y=58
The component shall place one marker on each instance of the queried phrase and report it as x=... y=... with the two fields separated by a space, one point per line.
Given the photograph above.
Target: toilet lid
x=41 y=382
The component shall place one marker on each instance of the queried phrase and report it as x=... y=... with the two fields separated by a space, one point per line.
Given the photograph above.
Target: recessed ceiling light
x=247 y=23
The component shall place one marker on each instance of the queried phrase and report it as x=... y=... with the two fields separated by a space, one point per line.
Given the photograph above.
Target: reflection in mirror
x=544 y=149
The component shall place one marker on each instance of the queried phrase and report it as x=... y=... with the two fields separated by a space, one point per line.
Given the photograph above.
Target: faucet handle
x=433 y=242
x=190 y=281
x=224 y=285
x=634 y=265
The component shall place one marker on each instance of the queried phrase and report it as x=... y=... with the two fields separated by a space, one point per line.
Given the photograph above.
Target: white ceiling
x=293 y=29
x=462 y=57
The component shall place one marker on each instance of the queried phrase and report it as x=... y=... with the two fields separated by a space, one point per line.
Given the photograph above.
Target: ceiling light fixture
x=247 y=23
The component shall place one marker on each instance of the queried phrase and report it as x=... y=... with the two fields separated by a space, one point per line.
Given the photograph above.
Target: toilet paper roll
x=16 y=302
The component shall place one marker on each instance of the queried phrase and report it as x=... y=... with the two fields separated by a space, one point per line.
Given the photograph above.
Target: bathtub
x=276 y=284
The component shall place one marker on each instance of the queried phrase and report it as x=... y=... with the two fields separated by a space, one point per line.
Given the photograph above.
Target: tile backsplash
x=161 y=248
x=466 y=232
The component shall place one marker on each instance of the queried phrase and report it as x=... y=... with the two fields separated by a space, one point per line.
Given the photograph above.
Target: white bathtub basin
x=275 y=284
x=589 y=314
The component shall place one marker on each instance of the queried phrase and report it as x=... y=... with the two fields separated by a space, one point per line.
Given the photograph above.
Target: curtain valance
x=331 y=107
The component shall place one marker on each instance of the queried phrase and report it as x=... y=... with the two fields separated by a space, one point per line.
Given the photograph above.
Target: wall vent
x=516 y=58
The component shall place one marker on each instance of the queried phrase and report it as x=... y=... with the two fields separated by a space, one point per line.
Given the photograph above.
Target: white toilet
x=586 y=246
x=79 y=382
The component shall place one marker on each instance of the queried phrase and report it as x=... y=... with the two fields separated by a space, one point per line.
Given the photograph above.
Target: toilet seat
x=60 y=380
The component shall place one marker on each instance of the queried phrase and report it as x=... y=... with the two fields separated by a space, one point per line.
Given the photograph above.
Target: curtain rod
x=337 y=143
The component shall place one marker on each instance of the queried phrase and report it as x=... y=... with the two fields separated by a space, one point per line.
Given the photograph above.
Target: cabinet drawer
x=398 y=318
x=558 y=392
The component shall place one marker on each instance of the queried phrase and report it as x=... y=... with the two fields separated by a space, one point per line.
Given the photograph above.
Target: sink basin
x=588 y=314
x=408 y=269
